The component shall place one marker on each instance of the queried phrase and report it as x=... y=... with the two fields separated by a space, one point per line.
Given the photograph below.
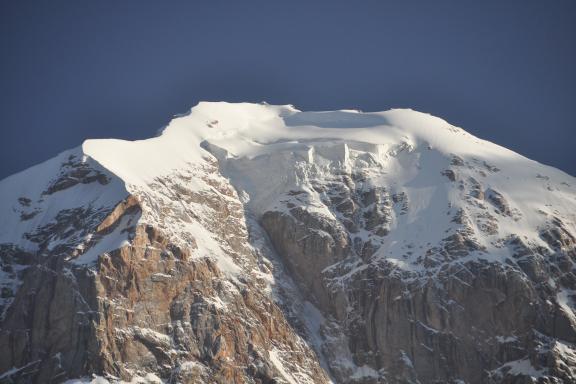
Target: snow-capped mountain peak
x=346 y=225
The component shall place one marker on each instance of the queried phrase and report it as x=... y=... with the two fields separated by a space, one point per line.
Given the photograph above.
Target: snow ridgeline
x=267 y=151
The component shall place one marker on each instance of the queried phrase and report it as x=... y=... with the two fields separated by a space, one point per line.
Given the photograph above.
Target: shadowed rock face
x=145 y=308
x=450 y=322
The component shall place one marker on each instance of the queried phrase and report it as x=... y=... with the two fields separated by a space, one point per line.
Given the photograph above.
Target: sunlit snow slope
x=268 y=150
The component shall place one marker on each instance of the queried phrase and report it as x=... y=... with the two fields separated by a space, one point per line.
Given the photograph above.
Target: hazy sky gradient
x=71 y=70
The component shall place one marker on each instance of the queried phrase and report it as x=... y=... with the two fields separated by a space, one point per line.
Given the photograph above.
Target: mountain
x=251 y=243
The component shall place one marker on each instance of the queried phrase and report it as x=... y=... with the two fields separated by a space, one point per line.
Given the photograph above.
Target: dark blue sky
x=71 y=70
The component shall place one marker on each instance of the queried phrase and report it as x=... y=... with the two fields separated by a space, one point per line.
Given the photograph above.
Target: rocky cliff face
x=260 y=244
x=151 y=308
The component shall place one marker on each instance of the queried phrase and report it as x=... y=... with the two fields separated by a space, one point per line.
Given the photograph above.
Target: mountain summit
x=252 y=243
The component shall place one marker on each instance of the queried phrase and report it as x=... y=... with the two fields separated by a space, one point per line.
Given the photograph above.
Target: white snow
x=146 y=378
x=506 y=339
x=31 y=183
x=522 y=367
x=118 y=238
x=94 y=380
x=364 y=372
x=276 y=360
x=564 y=298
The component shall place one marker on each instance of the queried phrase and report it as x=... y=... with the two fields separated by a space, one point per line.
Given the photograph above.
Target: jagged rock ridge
x=251 y=243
